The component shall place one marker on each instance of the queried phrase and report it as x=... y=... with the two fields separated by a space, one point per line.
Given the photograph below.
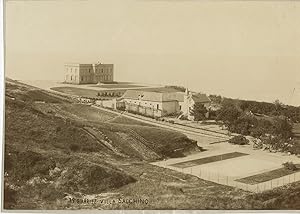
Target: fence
x=148 y=111
x=232 y=180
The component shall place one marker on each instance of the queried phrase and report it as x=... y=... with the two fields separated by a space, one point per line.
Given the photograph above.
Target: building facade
x=160 y=103
x=189 y=100
x=76 y=73
x=151 y=103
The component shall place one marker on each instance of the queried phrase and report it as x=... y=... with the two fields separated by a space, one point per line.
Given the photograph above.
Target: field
x=210 y=159
x=266 y=176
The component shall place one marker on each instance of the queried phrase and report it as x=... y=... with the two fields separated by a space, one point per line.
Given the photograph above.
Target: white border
x=2 y=99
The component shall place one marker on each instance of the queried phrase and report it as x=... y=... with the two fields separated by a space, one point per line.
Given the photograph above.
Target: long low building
x=76 y=73
x=161 y=102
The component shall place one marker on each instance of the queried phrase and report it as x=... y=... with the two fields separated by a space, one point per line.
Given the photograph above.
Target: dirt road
x=192 y=133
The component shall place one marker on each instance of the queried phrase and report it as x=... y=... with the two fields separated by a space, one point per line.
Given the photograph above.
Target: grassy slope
x=35 y=143
x=166 y=142
x=128 y=121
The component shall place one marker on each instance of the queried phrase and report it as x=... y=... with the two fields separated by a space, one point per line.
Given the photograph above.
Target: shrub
x=28 y=164
x=199 y=111
x=239 y=140
x=121 y=108
x=289 y=166
x=10 y=197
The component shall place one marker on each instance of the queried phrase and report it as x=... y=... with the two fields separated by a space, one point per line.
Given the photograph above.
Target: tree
x=282 y=128
x=228 y=113
x=199 y=112
x=241 y=126
x=215 y=98
x=239 y=140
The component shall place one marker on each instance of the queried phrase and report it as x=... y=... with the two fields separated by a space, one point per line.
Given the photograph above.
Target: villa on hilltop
x=76 y=73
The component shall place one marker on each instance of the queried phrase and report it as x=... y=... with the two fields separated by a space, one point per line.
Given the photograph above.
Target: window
x=81 y=78
x=157 y=106
x=71 y=77
x=179 y=107
x=89 y=70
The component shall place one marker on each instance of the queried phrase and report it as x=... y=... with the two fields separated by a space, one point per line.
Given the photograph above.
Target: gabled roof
x=162 y=96
x=200 y=98
x=150 y=95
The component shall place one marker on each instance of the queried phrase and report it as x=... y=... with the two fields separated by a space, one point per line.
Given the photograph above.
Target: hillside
x=46 y=140
x=60 y=154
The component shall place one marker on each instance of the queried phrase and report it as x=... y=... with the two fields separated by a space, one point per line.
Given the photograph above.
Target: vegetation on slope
x=49 y=158
x=43 y=152
x=272 y=123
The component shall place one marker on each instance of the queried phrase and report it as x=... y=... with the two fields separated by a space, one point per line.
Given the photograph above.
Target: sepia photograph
x=169 y=105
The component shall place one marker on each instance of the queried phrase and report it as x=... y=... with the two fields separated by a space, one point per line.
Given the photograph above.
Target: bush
x=27 y=164
x=289 y=166
x=91 y=179
x=199 y=111
x=239 y=140
x=121 y=108
x=10 y=197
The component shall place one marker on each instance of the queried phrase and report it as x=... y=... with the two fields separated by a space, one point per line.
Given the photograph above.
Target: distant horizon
x=197 y=91
x=247 y=50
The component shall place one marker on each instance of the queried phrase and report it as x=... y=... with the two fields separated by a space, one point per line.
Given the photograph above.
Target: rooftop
x=155 y=96
x=200 y=98
x=162 y=95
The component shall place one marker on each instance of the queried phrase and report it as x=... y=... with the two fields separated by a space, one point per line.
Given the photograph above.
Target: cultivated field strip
x=210 y=159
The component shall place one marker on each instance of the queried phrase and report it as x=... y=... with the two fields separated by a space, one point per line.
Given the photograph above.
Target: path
x=190 y=132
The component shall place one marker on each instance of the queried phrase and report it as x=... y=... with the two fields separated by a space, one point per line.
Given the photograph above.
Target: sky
x=246 y=50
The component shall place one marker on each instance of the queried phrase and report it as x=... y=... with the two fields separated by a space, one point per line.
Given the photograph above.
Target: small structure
x=76 y=73
x=189 y=100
